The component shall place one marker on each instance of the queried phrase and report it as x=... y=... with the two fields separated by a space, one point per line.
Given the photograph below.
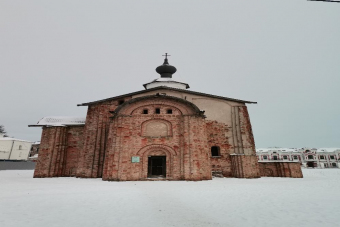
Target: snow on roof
x=168 y=82
x=328 y=149
x=60 y=121
x=277 y=149
x=280 y=149
x=14 y=139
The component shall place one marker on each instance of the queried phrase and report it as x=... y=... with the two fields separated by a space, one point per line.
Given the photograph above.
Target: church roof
x=167 y=82
x=13 y=139
x=59 y=121
x=167 y=88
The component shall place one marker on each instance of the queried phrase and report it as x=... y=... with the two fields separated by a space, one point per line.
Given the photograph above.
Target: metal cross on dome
x=166 y=55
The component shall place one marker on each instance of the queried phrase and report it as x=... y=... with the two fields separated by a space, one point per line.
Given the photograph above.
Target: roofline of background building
x=166 y=88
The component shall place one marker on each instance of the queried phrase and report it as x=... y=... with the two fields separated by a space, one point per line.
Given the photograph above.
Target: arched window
x=215 y=151
x=275 y=157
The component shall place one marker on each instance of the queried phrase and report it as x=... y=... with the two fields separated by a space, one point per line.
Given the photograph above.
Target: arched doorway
x=156 y=166
x=157 y=161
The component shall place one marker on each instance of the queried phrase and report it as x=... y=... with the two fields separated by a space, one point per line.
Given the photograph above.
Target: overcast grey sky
x=284 y=54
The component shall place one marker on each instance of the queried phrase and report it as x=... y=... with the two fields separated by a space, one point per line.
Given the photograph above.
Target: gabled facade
x=165 y=132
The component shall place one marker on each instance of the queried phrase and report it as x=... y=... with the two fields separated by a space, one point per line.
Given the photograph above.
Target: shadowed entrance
x=157 y=166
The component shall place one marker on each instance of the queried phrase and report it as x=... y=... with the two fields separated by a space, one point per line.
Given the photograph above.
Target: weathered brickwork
x=91 y=160
x=280 y=169
x=59 y=151
x=245 y=166
x=163 y=127
x=184 y=146
x=218 y=134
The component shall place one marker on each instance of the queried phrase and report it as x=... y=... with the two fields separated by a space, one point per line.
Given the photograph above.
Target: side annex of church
x=165 y=132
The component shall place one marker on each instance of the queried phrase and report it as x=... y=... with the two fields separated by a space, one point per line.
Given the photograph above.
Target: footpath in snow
x=71 y=202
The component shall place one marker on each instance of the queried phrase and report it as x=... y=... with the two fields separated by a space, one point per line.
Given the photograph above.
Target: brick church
x=165 y=132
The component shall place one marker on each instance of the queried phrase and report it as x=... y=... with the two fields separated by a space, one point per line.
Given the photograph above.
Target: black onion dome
x=166 y=70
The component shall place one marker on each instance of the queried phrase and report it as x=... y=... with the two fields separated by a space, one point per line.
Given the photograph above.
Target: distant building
x=34 y=151
x=14 y=149
x=308 y=157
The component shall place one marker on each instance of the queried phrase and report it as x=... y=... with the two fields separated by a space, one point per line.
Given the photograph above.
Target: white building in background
x=308 y=157
x=14 y=149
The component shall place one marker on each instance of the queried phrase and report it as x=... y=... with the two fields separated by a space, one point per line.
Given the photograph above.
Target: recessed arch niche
x=156 y=128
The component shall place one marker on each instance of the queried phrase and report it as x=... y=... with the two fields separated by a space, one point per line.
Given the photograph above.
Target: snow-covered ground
x=311 y=201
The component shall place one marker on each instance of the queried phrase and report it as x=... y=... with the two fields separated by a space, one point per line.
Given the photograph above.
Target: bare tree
x=3 y=131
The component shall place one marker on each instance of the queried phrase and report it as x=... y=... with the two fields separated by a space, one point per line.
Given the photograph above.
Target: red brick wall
x=105 y=146
x=91 y=160
x=74 y=148
x=186 y=149
x=59 y=150
x=245 y=166
x=281 y=169
x=236 y=138
x=217 y=136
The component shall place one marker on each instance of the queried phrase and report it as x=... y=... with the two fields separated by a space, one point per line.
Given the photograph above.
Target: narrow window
x=169 y=111
x=158 y=111
x=20 y=147
x=120 y=102
x=215 y=151
x=145 y=111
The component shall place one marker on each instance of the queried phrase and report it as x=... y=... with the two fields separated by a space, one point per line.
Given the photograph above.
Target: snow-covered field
x=311 y=201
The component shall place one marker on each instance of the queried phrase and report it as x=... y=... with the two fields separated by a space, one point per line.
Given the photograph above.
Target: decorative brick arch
x=154 y=147
x=184 y=106
x=156 y=128
x=157 y=150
